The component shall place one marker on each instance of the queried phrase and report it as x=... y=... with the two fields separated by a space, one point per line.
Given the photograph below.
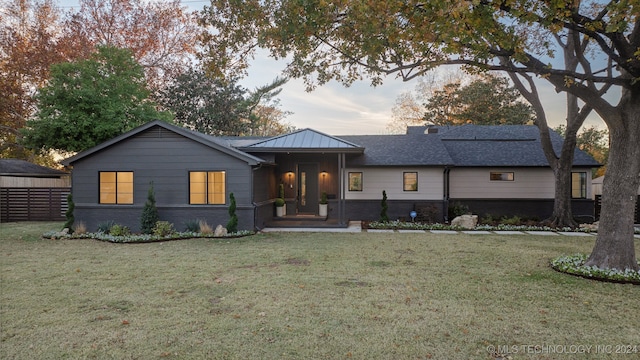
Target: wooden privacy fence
x=33 y=204
x=598 y=206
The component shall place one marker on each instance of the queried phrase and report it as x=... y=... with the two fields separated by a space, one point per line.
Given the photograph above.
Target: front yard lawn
x=308 y=296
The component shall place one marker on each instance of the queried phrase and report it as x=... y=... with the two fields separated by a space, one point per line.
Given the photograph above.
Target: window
x=116 y=187
x=579 y=185
x=355 y=181
x=501 y=176
x=207 y=187
x=410 y=181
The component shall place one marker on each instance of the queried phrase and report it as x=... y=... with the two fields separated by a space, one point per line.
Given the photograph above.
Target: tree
x=210 y=106
x=68 y=215
x=160 y=34
x=594 y=141
x=409 y=108
x=28 y=46
x=150 y=215
x=486 y=101
x=347 y=41
x=384 y=207
x=264 y=115
x=90 y=101
x=220 y=106
x=232 y=224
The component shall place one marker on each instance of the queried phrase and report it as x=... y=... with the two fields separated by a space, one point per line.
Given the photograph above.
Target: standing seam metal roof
x=303 y=139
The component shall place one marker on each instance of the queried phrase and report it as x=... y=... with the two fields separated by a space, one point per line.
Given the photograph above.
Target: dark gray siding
x=166 y=159
x=537 y=209
x=369 y=210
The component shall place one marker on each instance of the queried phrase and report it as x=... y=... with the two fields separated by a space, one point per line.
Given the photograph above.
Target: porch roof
x=304 y=141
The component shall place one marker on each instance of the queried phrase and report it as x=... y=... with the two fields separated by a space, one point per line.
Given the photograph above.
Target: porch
x=307 y=167
x=306 y=221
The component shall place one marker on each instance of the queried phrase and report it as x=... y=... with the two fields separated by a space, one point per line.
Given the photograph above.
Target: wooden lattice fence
x=33 y=204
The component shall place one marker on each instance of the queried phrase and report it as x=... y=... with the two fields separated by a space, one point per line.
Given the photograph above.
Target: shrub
x=205 y=228
x=323 y=198
x=428 y=213
x=119 y=230
x=69 y=214
x=488 y=219
x=80 y=228
x=232 y=225
x=149 y=212
x=457 y=209
x=383 y=213
x=192 y=225
x=105 y=227
x=163 y=228
x=279 y=202
x=514 y=220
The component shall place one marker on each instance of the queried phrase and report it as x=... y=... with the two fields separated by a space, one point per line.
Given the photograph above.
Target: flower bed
x=404 y=225
x=142 y=238
x=574 y=265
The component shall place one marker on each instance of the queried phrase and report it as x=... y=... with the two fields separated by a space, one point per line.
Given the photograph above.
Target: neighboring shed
x=596 y=186
x=16 y=173
x=30 y=192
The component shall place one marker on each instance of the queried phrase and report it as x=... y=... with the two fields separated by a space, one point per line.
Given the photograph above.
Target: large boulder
x=465 y=221
x=220 y=231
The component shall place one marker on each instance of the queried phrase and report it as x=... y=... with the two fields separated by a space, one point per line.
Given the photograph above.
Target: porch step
x=306 y=221
x=300 y=218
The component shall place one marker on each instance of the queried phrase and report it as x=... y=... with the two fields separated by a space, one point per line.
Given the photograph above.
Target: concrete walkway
x=356 y=227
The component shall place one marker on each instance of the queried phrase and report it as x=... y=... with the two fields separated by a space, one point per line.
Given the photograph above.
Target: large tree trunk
x=614 y=246
x=562 y=213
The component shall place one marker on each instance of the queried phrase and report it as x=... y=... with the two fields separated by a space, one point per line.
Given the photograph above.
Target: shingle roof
x=16 y=167
x=466 y=145
x=500 y=145
x=400 y=150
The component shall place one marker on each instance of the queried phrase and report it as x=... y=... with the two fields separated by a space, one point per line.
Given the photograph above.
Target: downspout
x=340 y=190
x=253 y=199
x=445 y=194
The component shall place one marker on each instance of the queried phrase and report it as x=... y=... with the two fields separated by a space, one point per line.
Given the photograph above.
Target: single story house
x=497 y=170
x=30 y=192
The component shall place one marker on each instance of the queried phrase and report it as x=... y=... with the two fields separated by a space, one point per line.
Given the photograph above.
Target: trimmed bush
x=163 y=228
x=149 y=212
x=232 y=225
x=383 y=213
x=69 y=214
x=119 y=230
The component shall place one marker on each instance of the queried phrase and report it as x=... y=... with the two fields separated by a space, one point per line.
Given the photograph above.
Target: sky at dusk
x=358 y=109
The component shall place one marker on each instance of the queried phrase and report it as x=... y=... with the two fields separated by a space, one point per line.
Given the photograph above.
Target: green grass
x=304 y=296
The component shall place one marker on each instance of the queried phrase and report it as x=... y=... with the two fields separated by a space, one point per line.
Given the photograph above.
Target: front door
x=308 y=188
